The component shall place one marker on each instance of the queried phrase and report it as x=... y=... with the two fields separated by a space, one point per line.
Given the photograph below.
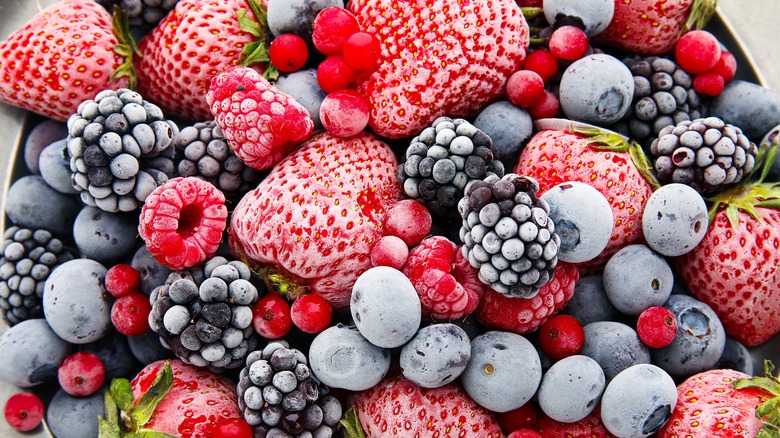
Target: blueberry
x=590 y=302
x=736 y=357
x=114 y=351
x=40 y=137
x=296 y=16
x=153 y=273
x=674 y=220
x=340 y=357
x=436 y=355
x=105 y=237
x=76 y=303
x=571 y=388
x=592 y=15
x=302 y=85
x=385 y=307
x=509 y=126
x=583 y=219
x=147 y=348
x=614 y=345
x=55 y=168
x=699 y=342
x=636 y=278
x=638 y=401
x=75 y=417
x=491 y=377
x=752 y=107
x=596 y=89
x=32 y=353
x=31 y=203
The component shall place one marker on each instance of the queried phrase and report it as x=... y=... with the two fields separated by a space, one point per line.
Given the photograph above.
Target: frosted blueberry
x=614 y=345
x=571 y=388
x=341 y=357
x=675 y=219
x=597 y=89
x=636 y=278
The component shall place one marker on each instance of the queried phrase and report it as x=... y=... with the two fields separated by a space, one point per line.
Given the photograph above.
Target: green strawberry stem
x=351 y=424
x=256 y=52
x=126 y=48
x=701 y=12
x=769 y=409
x=530 y=13
x=278 y=280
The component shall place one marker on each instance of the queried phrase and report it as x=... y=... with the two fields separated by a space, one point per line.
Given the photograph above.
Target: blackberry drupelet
x=141 y=12
x=280 y=397
x=443 y=159
x=119 y=147
x=204 y=314
x=508 y=236
x=28 y=258
x=706 y=154
x=206 y=154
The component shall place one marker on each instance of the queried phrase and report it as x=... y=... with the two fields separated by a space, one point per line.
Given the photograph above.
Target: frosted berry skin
x=615 y=346
x=182 y=222
x=697 y=51
x=390 y=251
x=569 y=43
x=81 y=374
x=24 y=411
x=436 y=355
x=597 y=89
x=122 y=279
x=571 y=388
x=344 y=113
x=525 y=88
x=674 y=220
x=656 y=327
x=130 y=314
x=341 y=357
x=331 y=29
x=635 y=278
x=409 y=220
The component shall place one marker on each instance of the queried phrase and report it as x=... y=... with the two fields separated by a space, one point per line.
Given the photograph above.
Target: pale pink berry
x=389 y=251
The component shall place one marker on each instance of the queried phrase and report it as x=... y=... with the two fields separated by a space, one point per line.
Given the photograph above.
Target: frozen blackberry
x=206 y=154
x=119 y=148
x=663 y=96
x=507 y=234
x=279 y=396
x=706 y=154
x=141 y=12
x=443 y=159
x=28 y=258
x=204 y=314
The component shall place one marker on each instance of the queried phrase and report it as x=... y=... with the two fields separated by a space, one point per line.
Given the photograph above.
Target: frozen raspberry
x=409 y=220
x=24 y=411
x=390 y=251
x=182 y=222
x=445 y=281
x=344 y=113
x=81 y=374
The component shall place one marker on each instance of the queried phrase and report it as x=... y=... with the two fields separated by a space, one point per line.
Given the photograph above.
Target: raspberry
x=542 y=62
x=561 y=336
x=545 y=108
x=568 y=43
x=122 y=279
x=361 y=50
x=390 y=251
x=656 y=327
x=726 y=66
x=311 y=313
x=445 y=281
x=272 y=319
x=709 y=84
x=525 y=88
x=24 y=411
x=409 y=220
x=130 y=314
x=182 y=222
x=288 y=52
x=81 y=374
x=697 y=51
x=334 y=74
x=344 y=113
x=331 y=28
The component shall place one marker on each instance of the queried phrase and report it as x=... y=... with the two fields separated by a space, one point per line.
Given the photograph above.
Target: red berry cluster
x=274 y=317
x=699 y=53
x=130 y=311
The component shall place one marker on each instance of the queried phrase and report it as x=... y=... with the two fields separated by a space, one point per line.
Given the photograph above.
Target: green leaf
x=271 y=73
x=351 y=424
x=112 y=416
x=148 y=433
x=126 y=48
x=153 y=396
x=248 y=24
x=107 y=429
x=701 y=13
x=643 y=164
x=766 y=161
x=122 y=394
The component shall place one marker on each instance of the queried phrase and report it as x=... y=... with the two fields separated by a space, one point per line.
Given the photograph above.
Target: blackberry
x=279 y=395
x=706 y=154
x=443 y=159
x=28 y=258
x=206 y=154
x=507 y=234
x=204 y=314
x=663 y=96
x=119 y=150
x=141 y=13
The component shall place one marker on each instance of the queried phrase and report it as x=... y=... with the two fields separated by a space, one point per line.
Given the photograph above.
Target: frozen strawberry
x=448 y=286
x=589 y=427
x=435 y=56
x=312 y=222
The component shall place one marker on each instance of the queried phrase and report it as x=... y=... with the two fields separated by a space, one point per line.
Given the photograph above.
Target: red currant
x=656 y=327
x=311 y=313
x=361 y=51
x=24 y=411
x=331 y=28
x=561 y=336
x=525 y=88
x=542 y=62
x=288 y=52
x=122 y=279
x=334 y=74
x=81 y=374
x=708 y=84
x=232 y=428
x=726 y=66
x=390 y=251
x=344 y=113
x=523 y=417
x=409 y=220
x=697 y=51
x=130 y=314
x=546 y=108
x=524 y=433
x=272 y=316
x=569 y=43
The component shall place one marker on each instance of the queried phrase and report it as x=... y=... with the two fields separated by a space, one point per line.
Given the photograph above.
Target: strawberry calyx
x=769 y=409
x=351 y=424
x=280 y=281
x=125 y=418
x=530 y=12
x=701 y=12
x=256 y=52
x=126 y=48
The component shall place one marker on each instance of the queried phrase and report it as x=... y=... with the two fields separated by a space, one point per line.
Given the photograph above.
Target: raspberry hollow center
x=189 y=220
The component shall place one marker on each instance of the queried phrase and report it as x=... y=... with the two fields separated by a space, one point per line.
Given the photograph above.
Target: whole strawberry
x=261 y=123
x=449 y=59
x=62 y=57
x=397 y=407
x=312 y=222
x=650 y=27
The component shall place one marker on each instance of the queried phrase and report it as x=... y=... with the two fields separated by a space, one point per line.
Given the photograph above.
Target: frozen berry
x=361 y=50
x=545 y=108
x=561 y=336
x=409 y=220
x=568 y=43
x=334 y=74
x=709 y=84
x=389 y=251
x=525 y=88
x=524 y=433
x=81 y=374
x=726 y=66
x=331 y=28
x=272 y=318
x=182 y=222
x=523 y=417
x=697 y=51
x=311 y=313
x=232 y=428
x=130 y=314
x=344 y=113
x=24 y=411
x=656 y=327
x=542 y=62
x=288 y=52
x=122 y=279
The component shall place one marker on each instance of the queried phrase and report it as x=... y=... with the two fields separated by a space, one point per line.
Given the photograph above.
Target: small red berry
x=344 y=113
x=122 y=279
x=542 y=62
x=525 y=88
x=523 y=417
x=331 y=28
x=697 y=51
x=334 y=74
x=708 y=84
x=561 y=336
x=390 y=251
x=569 y=43
x=81 y=374
x=24 y=411
x=409 y=220
x=311 y=313
x=130 y=314
x=361 y=51
x=726 y=66
x=548 y=107
x=272 y=318
x=656 y=327
x=524 y=433
x=232 y=428
x=288 y=52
